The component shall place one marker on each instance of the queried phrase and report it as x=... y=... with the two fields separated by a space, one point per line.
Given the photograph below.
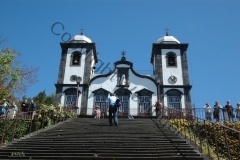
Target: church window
x=100 y=99
x=70 y=101
x=123 y=95
x=171 y=59
x=124 y=100
x=144 y=103
x=174 y=102
x=101 y=102
x=174 y=98
x=70 y=97
x=76 y=58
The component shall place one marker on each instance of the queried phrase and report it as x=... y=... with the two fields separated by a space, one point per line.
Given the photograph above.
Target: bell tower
x=78 y=59
x=169 y=59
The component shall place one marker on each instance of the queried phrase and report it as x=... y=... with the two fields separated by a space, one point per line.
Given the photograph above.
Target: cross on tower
x=81 y=31
x=123 y=53
x=167 y=31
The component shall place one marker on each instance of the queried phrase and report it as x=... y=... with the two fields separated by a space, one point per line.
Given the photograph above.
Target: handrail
x=21 y=124
x=217 y=139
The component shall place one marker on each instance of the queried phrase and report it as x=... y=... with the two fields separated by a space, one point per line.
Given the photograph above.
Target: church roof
x=81 y=39
x=168 y=40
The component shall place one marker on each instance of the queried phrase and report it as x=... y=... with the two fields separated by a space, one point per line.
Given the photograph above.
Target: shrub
x=46 y=116
x=213 y=135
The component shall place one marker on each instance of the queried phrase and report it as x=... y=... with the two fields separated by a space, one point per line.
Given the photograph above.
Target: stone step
x=130 y=144
x=93 y=136
x=100 y=139
x=63 y=149
x=154 y=147
x=92 y=147
x=107 y=157
x=105 y=154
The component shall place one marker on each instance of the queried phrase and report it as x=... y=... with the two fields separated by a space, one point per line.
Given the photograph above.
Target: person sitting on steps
x=97 y=112
x=130 y=116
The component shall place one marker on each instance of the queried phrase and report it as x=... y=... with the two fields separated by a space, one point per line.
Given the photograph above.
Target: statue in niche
x=123 y=81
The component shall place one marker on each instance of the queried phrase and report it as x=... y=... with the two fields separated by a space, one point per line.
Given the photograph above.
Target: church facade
x=79 y=85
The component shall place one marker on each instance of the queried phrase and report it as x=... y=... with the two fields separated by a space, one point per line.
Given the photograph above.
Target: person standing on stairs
x=216 y=111
x=24 y=109
x=238 y=111
x=158 y=108
x=208 y=112
x=4 y=108
x=32 y=109
x=112 y=109
x=229 y=108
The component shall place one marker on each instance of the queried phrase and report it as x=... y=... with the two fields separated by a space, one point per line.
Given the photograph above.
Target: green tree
x=14 y=76
x=50 y=99
x=42 y=98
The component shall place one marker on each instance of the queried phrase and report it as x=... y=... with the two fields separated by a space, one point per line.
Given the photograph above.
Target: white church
x=78 y=84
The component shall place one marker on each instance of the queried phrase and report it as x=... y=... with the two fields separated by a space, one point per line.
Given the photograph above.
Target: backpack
x=2 y=111
x=118 y=103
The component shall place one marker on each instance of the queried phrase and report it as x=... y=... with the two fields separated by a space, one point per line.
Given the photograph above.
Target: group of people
x=28 y=109
x=113 y=107
x=7 y=109
x=228 y=112
x=10 y=110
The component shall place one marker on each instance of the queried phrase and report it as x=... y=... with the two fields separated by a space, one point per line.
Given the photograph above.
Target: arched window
x=171 y=59
x=76 y=58
x=174 y=98
x=70 y=97
x=144 y=101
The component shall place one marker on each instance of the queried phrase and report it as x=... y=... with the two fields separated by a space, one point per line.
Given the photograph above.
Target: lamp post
x=158 y=85
x=79 y=79
x=159 y=96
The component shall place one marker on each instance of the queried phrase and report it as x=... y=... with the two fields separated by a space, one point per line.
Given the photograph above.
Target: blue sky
x=212 y=29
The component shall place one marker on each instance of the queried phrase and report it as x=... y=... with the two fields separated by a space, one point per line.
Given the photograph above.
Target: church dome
x=168 y=40
x=81 y=39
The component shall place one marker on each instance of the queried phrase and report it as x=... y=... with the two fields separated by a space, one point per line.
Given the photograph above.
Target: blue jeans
x=113 y=113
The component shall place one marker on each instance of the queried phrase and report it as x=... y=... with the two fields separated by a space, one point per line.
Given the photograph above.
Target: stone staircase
x=88 y=138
